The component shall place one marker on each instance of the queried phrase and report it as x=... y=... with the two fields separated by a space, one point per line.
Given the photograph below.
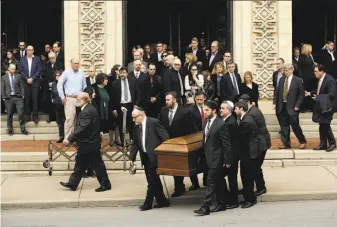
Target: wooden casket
x=179 y=156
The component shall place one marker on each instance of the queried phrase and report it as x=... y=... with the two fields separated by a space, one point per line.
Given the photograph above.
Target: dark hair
x=58 y=43
x=228 y=52
x=173 y=93
x=169 y=48
x=152 y=64
x=329 y=42
x=242 y=104
x=297 y=48
x=159 y=42
x=58 y=72
x=231 y=63
x=211 y=104
x=199 y=92
x=281 y=59
x=195 y=39
x=100 y=78
x=320 y=67
x=9 y=50
x=124 y=68
x=190 y=76
x=114 y=68
x=245 y=97
x=89 y=90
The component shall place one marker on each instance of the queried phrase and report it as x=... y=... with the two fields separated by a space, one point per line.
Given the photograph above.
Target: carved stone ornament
x=92 y=34
x=264 y=45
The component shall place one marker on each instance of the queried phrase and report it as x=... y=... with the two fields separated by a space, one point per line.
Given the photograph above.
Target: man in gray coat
x=136 y=56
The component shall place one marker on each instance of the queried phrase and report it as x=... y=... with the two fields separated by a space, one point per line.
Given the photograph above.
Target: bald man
x=70 y=84
x=173 y=80
x=215 y=55
x=137 y=55
x=88 y=139
x=91 y=79
x=30 y=67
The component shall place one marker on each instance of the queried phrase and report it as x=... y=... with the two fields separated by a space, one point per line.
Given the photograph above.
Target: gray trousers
x=15 y=102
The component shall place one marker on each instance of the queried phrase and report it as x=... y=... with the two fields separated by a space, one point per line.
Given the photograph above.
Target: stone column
x=262 y=33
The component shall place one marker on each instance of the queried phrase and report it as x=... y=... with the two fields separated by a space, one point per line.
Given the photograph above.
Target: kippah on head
x=230 y=103
x=211 y=104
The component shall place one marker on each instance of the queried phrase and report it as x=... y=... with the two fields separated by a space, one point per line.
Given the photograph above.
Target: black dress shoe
x=194 y=187
x=260 y=192
x=10 y=132
x=240 y=192
x=36 y=120
x=60 y=140
x=161 y=205
x=232 y=206
x=177 y=194
x=331 y=147
x=24 y=132
x=320 y=147
x=202 y=211
x=144 y=207
x=284 y=147
x=218 y=208
x=247 y=204
x=102 y=189
x=67 y=185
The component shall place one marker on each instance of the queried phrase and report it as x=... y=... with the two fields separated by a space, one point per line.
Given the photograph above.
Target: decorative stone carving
x=92 y=34
x=264 y=45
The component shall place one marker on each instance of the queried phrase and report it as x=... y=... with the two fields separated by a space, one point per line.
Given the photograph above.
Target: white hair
x=229 y=104
x=288 y=66
x=141 y=51
x=51 y=55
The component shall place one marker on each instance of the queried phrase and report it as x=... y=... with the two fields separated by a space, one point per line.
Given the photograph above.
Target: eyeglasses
x=177 y=64
x=29 y=50
x=152 y=69
x=136 y=116
x=164 y=55
x=226 y=56
x=194 y=69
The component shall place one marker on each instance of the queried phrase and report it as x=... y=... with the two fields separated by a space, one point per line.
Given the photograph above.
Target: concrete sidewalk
x=284 y=184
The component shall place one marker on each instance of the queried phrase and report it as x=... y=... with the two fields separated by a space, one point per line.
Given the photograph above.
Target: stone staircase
x=49 y=131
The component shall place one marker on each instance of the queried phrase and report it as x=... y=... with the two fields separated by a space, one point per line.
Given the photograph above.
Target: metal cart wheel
x=50 y=171
x=46 y=164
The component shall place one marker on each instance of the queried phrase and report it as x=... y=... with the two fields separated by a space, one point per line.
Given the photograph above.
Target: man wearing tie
x=217 y=146
x=288 y=98
x=172 y=81
x=22 y=52
x=178 y=122
x=231 y=84
x=91 y=79
x=30 y=67
x=326 y=92
x=197 y=112
x=12 y=92
x=279 y=73
x=149 y=134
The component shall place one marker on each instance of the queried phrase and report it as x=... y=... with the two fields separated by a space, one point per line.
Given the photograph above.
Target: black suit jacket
x=195 y=113
x=116 y=89
x=248 y=138
x=88 y=81
x=263 y=133
x=214 y=79
x=87 y=130
x=233 y=128
x=60 y=59
x=328 y=87
x=228 y=87
x=217 y=145
x=171 y=81
x=48 y=72
x=275 y=76
x=6 y=86
x=326 y=60
x=218 y=57
x=155 y=134
x=155 y=60
x=201 y=54
x=35 y=70
x=295 y=95
x=182 y=123
x=18 y=55
x=144 y=85
x=295 y=64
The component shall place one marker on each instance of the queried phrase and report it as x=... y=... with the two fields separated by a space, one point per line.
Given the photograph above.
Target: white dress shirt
x=92 y=80
x=127 y=89
x=159 y=56
x=22 y=53
x=143 y=135
x=332 y=56
x=199 y=84
x=136 y=74
x=289 y=81
x=212 y=58
x=30 y=60
x=320 y=83
x=195 y=51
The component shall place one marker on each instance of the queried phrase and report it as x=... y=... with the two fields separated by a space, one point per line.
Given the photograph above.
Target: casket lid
x=186 y=140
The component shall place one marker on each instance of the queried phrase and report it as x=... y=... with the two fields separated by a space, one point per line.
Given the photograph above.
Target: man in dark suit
x=148 y=135
x=226 y=114
x=288 y=98
x=197 y=112
x=328 y=58
x=178 y=122
x=248 y=152
x=296 y=57
x=137 y=55
x=264 y=142
x=214 y=56
x=59 y=54
x=12 y=92
x=173 y=81
x=125 y=93
x=227 y=58
x=143 y=83
x=327 y=87
x=199 y=53
x=231 y=84
x=91 y=79
x=88 y=139
x=279 y=73
x=21 y=52
x=30 y=68
x=156 y=94
x=157 y=57
x=218 y=152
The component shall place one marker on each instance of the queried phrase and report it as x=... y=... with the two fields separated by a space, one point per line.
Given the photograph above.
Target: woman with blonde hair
x=306 y=66
x=190 y=59
x=250 y=88
x=218 y=72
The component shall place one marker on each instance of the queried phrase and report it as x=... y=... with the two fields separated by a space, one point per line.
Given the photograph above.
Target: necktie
x=319 y=86
x=13 y=84
x=170 y=117
x=235 y=84
x=21 y=53
x=141 y=136
x=125 y=93
x=285 y=90
x=202 y=116
x=181 y=85
x=208 y=127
